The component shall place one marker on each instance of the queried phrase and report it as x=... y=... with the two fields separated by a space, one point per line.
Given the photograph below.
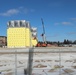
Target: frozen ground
x=46 y=63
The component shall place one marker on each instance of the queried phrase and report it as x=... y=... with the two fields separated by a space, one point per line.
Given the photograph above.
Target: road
x=38 y=50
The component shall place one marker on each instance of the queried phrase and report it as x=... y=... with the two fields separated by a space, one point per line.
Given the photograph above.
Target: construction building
x=20 y=34
x=3 y=41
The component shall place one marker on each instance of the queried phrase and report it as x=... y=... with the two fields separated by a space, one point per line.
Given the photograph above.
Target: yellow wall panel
x=19 y=37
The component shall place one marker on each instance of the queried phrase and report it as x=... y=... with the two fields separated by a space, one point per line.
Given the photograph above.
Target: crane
x=44 y=44
x=43 y=34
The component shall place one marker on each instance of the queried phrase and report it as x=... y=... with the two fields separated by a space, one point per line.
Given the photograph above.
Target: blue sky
x=59 y=17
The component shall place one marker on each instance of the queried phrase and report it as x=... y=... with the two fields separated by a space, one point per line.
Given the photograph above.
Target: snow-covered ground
x=46 y=63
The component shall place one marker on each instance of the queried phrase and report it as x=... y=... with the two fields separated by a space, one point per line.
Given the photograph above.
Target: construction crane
x=43 y=34
x=43 y=37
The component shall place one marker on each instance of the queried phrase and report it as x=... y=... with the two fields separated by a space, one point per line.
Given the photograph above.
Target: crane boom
x=44 y=37
x=43 y=26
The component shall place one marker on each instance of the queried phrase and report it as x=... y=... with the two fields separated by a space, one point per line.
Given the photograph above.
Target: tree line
x=66 y=41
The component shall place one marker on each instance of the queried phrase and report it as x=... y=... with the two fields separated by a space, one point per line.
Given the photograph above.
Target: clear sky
x=59 y=17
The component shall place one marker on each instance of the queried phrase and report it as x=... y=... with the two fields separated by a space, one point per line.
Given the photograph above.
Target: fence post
x=30 y=61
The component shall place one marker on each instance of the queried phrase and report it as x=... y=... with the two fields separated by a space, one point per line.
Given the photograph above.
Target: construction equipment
x=44 y=44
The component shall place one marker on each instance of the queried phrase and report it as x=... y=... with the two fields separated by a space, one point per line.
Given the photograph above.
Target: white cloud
x=71 y=33
x=21 y=7
x=56 y=23
x=55 y=4
x=28 y=10
x=32 y=10
x=73 y=19
x=63 y=23
x=66 y=23
x=10 y=12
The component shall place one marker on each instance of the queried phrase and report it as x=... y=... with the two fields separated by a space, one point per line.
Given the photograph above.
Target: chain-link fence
x=38 y=61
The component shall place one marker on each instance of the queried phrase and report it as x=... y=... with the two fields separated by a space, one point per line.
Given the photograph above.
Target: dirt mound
x=68 y=70
x=40 y=66
x=51 y=70
x=58 y=66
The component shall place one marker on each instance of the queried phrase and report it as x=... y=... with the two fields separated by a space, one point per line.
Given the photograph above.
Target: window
x=16 y=24
x=10 y=24
x=22 y=24
x=27 y=25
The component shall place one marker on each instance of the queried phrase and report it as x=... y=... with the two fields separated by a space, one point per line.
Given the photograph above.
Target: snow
x=46 y=63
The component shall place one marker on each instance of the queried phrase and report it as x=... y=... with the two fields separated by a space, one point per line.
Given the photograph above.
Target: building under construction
x=3 y=41
x=21 y=34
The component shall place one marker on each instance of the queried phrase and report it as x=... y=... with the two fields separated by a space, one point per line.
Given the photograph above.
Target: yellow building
x=19 y=34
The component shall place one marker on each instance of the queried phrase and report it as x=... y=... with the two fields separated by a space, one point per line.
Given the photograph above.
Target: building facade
x=3 y=41
x=34 y=36
x=19 y=34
